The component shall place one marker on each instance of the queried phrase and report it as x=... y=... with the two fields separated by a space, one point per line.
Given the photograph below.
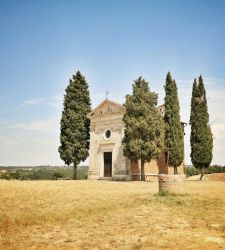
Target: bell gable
x=107 y=107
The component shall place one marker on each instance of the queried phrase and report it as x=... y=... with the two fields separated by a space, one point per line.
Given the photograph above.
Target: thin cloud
x=218 y=130
x=214 y=81
x=40 y=126
x=54 y=101
x=207 y=81
x=33 y=102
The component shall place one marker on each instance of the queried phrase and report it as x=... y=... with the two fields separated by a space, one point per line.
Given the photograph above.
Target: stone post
x=172 y=183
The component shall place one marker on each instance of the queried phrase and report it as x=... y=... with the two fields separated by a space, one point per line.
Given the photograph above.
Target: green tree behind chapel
x=74 y=136
x=201 y=136
x=174 y=134
x=144 y=131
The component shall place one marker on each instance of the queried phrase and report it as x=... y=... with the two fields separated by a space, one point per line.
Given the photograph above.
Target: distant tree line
x=43 y=173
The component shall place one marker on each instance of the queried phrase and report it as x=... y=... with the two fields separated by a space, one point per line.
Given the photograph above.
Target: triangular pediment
x=107 y=107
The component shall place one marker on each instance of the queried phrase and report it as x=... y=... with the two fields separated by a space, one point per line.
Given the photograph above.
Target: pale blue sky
x=42 y=43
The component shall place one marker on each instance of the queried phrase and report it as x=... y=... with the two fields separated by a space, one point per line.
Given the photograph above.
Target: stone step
x=105 y=178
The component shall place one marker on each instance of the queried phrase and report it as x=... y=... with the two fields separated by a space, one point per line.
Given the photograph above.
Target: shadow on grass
x=169 y=194
x=172 y=199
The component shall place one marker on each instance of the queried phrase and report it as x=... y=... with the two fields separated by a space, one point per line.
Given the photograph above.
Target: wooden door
x=107 y=164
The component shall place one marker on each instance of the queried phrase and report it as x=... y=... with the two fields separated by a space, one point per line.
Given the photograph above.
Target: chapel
x=106 y=158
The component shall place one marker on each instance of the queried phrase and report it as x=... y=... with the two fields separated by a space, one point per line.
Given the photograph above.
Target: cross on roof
x=106 y=94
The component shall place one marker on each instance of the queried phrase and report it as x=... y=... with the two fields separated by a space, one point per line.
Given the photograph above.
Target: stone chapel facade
x=106 y=159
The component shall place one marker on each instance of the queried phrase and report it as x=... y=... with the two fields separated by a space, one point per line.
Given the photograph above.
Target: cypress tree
x=174 y=134
x=144 y=132
x=201 y=136
x=74 y=136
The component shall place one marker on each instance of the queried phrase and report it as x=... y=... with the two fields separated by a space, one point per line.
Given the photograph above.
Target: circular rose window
x=107 y=134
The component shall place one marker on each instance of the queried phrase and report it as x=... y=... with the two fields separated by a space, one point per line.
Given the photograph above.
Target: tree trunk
x=175 y=170
x=142 y=170
x=167 y=160
x=202 y=173
x=74 y=171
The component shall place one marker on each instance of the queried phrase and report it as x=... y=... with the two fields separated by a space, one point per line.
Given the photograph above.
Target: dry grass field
x=110 y=215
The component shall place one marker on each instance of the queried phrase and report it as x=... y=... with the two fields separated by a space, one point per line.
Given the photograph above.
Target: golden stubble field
x=110 y=215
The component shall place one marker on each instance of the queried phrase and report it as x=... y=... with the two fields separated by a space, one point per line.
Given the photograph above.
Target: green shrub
x=189 y=171
x=57 y=175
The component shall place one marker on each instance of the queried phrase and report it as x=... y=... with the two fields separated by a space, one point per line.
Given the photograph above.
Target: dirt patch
x=208 y=177
x=216 y=177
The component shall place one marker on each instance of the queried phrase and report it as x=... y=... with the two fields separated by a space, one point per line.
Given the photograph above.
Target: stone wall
x=153 y=167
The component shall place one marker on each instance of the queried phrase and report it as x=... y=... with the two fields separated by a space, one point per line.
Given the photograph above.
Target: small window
x=107 y=134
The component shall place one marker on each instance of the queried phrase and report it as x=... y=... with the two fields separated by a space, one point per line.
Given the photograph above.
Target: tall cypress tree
x=75 y=135
x=174 y=134
x=201 y=136
x=144 y=131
